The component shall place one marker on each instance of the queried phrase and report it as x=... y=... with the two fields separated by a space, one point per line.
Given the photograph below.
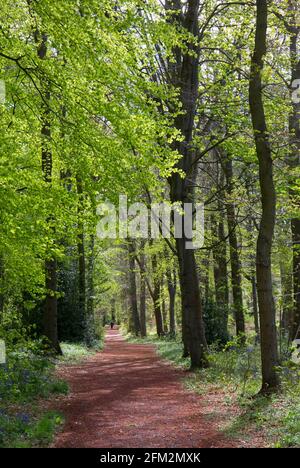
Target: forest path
x=127 y=396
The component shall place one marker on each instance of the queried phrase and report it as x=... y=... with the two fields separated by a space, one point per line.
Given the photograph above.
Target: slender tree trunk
x=294 y=163
x=286 y=278
x=220 y=256
x=185 y=78
x=171 y=279
x=81 y=264
x=163 y=307
x=220 y=276
x=143 y=295
x=90 y=277
x=255 y=309
x=269 y=350
x=113 y=310
x=205 y=279
x=133 y=290
x=156 y=298
x=236 y=279
x=50 y=304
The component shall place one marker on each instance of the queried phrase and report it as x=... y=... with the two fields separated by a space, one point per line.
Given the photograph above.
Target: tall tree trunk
x=185 y=77
x=113 y=310
x=163 y=307
x=192 y=307
x=50 y=304
x=269 y=350
x=220 y=258
x=236 y=279
x=255 y=308
x=286 y=278
x=171 y=279
x=90 y=277
x=220 y=274
x=133 y=290
x=156 y=297
x=81 y=263
x=143 y=295
x=294 y=163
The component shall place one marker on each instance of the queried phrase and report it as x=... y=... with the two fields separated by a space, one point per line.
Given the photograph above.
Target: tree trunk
x=220 y=256
x=255 y=309
x=192 y=306
x=81 y=264
x=143 y=295
x=185 y=77
x=269 y=350
x=294 y=163
x=90 y=278
x=286 y=278
x=133 y=290
x=163 y=307
x=113 y=310
x=171 y=279
x=156 y=298
x=50 y=304
x=236 y=279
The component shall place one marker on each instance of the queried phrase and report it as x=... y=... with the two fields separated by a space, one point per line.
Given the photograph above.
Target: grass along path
x=228 y=386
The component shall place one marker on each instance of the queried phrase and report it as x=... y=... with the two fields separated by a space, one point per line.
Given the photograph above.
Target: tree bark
x=255 y=309
x=81 y=263
x=171 y=279
x=286 y=280
x=133 y=290
x=185 y=77
x=50 y=304
x=163 y=307
x=143 y=295
x=90 y=277
x=269 y=350
x=294 y=163
x=236 y=279
x=220 y=257
x=156 y=298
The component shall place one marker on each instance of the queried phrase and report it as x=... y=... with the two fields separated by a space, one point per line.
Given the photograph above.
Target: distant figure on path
x=111 y=325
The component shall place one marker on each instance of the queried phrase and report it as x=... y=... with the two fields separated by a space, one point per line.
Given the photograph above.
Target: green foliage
x=71 y=320
x=105 y=124
x=214 y=317
x=235 y=372
x=111 y=115
x=22 y=430
x=290 y=436
x=42 y=432
x=26 y=376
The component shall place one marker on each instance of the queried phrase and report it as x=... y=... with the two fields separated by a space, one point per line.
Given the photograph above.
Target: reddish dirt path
x=126 y=397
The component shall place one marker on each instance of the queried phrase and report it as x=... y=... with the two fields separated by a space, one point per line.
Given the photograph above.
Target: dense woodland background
x=180 y=101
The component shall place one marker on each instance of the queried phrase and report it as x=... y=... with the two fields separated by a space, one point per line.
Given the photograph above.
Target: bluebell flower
x=23 y=417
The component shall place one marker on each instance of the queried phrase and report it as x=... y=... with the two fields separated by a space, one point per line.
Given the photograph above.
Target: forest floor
x=127 y=396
